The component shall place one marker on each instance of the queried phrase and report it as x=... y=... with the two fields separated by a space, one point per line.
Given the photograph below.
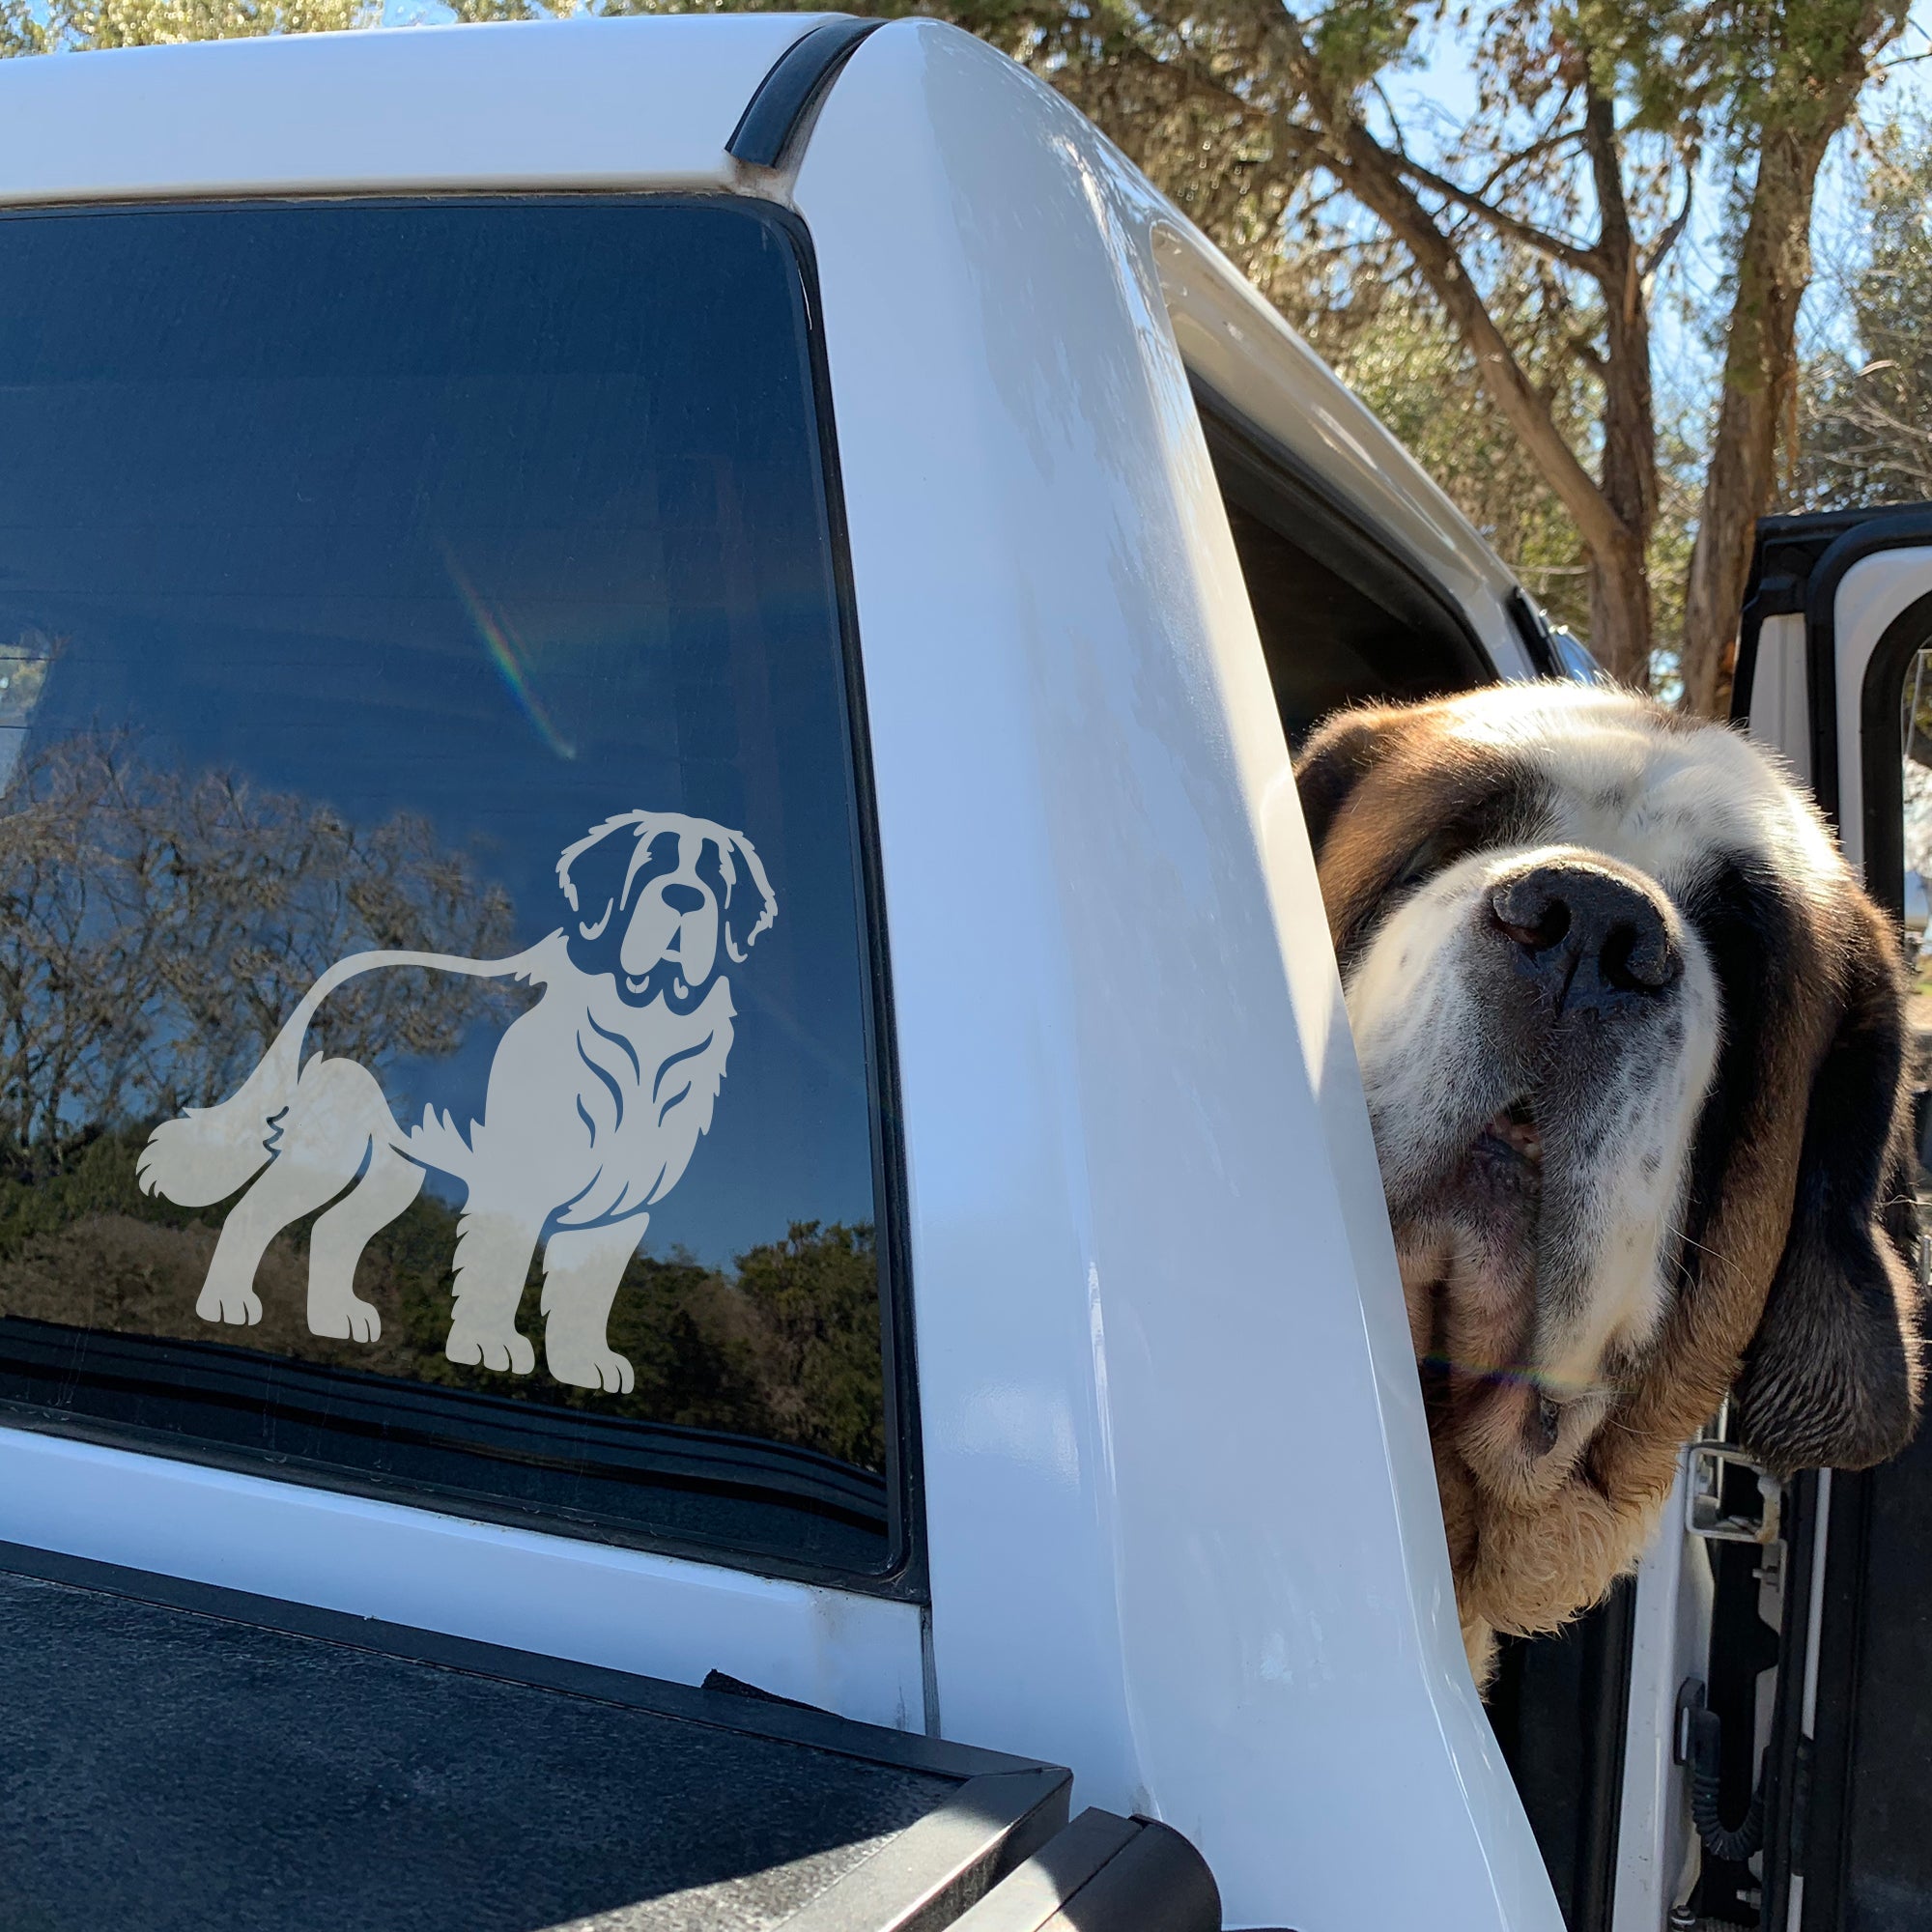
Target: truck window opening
x=1342 y=619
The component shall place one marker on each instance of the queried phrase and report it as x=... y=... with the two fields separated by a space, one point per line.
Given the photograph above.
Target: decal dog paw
x=597 y=1097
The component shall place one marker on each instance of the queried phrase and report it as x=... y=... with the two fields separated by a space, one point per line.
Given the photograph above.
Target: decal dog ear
x=596 y=873
x=1832 y=1379
x=749 y=905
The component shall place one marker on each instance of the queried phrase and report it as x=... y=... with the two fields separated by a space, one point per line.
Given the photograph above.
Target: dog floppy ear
x=593 y=871
x=749 y=905
x=1339 y=752
x=1831 y=1379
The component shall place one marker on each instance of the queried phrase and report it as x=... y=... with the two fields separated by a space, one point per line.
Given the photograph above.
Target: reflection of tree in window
x=156 y=930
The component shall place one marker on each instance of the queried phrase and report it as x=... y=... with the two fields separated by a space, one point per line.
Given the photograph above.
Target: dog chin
x=664 y=981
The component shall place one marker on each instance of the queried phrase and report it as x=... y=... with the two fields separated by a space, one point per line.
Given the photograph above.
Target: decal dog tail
x=209 y=1151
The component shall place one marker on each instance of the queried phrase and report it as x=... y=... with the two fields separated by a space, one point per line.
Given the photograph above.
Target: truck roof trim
x=794 y=86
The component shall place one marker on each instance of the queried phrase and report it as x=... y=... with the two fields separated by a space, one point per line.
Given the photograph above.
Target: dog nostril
x=1545 y=1424
x=1534 y=919
x=1637 y=960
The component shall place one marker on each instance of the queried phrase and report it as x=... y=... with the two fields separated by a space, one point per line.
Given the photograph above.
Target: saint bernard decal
x=597 y=1097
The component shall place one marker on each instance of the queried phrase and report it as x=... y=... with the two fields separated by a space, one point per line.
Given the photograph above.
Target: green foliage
x=1865 y=405
x=1399 y=355
x=816 y=1297
x=65 y=24
x=156 y=929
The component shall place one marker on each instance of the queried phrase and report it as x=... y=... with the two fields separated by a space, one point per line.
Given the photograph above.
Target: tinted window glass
x=435 y=969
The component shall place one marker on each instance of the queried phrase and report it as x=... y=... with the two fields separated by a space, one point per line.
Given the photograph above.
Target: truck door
x=1835 y=668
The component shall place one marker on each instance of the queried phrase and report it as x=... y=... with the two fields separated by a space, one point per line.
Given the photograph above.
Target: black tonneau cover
x=177 y=1757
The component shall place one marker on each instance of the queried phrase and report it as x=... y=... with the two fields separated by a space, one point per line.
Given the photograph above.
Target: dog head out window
x=438 y=973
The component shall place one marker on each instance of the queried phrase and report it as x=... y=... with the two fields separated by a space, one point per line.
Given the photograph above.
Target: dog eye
x=1425 y=859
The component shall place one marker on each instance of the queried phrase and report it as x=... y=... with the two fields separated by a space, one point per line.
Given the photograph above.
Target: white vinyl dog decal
x=597 y=1097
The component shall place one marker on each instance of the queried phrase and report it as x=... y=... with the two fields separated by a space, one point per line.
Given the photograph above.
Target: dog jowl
x=597 y=1097
x=1633 y=1044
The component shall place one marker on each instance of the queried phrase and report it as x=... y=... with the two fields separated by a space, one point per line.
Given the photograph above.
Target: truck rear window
x=439 y=1051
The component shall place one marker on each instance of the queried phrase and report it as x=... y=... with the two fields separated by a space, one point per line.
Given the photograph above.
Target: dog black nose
x=683 y=898
x=1587 y=938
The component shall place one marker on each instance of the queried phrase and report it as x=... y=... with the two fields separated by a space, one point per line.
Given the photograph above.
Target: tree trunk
x=1761 y=356
x=1620 y=635
x=1612 y=516
x=1620 y=632
x=1760 y=373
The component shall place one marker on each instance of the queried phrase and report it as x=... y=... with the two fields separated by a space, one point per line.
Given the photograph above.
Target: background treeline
x=1573 y=268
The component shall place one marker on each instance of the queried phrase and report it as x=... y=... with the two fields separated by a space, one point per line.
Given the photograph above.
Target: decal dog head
x=655 y=897
x=1633 y=1044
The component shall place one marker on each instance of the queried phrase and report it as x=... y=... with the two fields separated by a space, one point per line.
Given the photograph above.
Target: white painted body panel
x=1240 y=346
x=1780 y=714
x=1182 y=1518
x=575 y=104
x=1182 y=1523
x=1658 y=1853
x=1875 y=591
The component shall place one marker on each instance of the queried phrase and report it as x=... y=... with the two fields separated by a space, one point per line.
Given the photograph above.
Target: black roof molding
x=794 y=86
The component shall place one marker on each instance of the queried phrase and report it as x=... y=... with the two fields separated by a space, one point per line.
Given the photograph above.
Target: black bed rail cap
x=1103 y=1874
x=795 y=85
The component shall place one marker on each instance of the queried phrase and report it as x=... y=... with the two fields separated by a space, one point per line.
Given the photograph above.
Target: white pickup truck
x=738 y=590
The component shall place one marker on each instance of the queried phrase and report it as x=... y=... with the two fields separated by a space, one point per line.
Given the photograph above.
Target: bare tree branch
x=1555 y=248
x=1661 y=248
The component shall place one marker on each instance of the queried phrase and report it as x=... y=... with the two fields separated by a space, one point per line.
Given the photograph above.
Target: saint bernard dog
x=597 y=1097
x=1635 y=1047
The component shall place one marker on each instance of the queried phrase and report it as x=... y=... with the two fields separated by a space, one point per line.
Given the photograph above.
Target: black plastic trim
x=905 y=1498
x=1785 y=554
x=797 y=81
x=1105 y=1874
x=1158 y=1881
x=926 y=1875
x=1030 y=1897
x=1797 y=564
x=1594 y=1891
x=1538 y=645
x=1813 y=1788
x=1787 y=1854
x=1883 y=808
x=500 y=1427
